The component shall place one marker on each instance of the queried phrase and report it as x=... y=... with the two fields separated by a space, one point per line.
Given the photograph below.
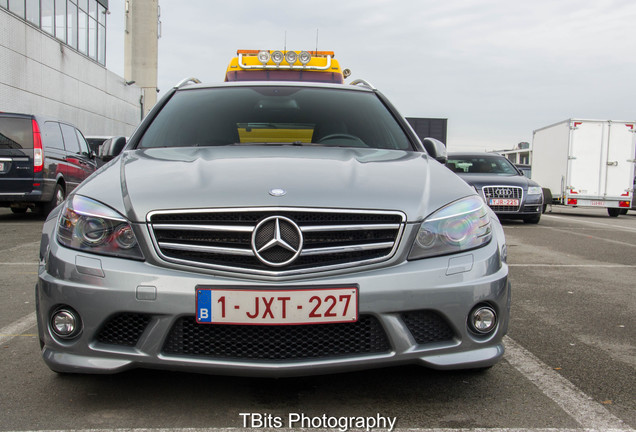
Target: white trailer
x=587 y=163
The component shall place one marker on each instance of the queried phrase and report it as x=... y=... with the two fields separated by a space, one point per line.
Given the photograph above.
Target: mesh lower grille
x=123 y=329
x=427 y=327
x=276 y=342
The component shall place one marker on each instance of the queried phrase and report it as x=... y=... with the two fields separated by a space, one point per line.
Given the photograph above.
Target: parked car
x=41 y=161
x=94 y=142
x=276 y=229
x=504 y=187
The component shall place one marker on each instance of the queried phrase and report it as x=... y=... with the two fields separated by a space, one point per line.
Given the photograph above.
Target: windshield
x=275 y=116
x=481 y=165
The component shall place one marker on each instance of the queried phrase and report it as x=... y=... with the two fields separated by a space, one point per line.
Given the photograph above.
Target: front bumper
x=100 y=288
x=531 y=205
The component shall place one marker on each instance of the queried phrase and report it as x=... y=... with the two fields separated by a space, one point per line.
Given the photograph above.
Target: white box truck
x=587 y=163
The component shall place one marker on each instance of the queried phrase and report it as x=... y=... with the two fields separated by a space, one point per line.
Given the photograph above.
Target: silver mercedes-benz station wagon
x=272 y=229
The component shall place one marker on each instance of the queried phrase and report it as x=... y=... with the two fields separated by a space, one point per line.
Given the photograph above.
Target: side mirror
x=436 y=149
x=111 y=148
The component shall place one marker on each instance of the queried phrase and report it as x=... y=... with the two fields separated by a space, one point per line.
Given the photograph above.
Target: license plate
x=598 y=203
x=504 y=202
x=276 y=307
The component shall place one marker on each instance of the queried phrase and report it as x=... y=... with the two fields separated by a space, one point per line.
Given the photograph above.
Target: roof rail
x=186 y=81
x=363 y=83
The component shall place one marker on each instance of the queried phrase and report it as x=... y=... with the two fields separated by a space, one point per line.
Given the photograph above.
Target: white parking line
x=587 y=222
x=237 y=429
x=17 y=328
x=21 y=246
x=575 y=265
x=582 y=408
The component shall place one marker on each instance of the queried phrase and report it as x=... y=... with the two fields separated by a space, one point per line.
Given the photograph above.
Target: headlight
x=460 y=226
x=534 y=190
x=90 y=226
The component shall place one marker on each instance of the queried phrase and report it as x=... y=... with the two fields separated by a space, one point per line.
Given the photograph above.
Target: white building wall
x=41 y=75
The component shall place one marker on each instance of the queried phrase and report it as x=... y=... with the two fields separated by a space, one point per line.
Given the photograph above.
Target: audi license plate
x=276 y=307
x=504 y=202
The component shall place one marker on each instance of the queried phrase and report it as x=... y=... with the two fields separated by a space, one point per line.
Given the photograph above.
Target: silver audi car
x=272 y=229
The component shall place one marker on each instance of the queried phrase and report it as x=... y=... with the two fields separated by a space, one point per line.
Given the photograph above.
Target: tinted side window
x=70 y=139
x=85 y=149
x=52 y=136
x=16 y=133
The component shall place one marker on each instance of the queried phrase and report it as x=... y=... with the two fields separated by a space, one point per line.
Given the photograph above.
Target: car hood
x=481 y=180
x=141 y=181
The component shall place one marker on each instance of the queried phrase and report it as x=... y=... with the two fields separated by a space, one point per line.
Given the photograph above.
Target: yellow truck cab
x=266 y=65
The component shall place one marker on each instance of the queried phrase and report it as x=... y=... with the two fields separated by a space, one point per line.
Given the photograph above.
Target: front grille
x=294 y=342
x=223 y=239
x=503 y=192
x=427 y=327
x=123 y=329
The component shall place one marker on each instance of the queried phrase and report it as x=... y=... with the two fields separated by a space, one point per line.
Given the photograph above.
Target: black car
x=41 y=161
x=505 y=189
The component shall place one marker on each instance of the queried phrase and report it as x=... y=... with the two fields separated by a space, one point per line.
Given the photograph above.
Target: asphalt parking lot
x=570 y=362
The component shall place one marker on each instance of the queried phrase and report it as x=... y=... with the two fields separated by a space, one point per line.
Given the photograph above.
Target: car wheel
x=623 y=211
x=534 y=219
x=58 y=198
x=613 y=212
x=18 y=210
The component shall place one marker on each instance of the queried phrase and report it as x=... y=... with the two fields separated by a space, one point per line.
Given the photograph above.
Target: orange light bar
x=247 y=52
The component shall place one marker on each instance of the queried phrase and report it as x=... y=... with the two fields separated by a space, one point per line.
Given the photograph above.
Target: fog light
x=65 y=323
x=277 y=57
x=263 y=57
x=291 y=57
x=304 y=57
x=483 y=319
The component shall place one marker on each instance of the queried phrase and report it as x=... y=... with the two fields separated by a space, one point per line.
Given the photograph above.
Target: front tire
x=534 y=219
x=59 y=195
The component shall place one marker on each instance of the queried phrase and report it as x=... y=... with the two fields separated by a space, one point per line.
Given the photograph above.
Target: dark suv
x=41 y=161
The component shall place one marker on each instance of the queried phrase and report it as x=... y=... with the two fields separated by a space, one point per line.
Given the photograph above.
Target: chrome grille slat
x=222 y=239
x=323 y=228
x=185 y=227
x=210 y=249
x=344 y=249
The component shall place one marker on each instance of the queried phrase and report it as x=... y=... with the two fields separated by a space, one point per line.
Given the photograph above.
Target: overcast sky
x=496 y=69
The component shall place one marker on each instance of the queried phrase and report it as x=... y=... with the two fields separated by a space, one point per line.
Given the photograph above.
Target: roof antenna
x=316 y=53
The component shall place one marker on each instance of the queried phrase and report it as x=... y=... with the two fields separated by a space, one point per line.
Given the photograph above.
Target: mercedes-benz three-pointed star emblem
x=277 y=241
